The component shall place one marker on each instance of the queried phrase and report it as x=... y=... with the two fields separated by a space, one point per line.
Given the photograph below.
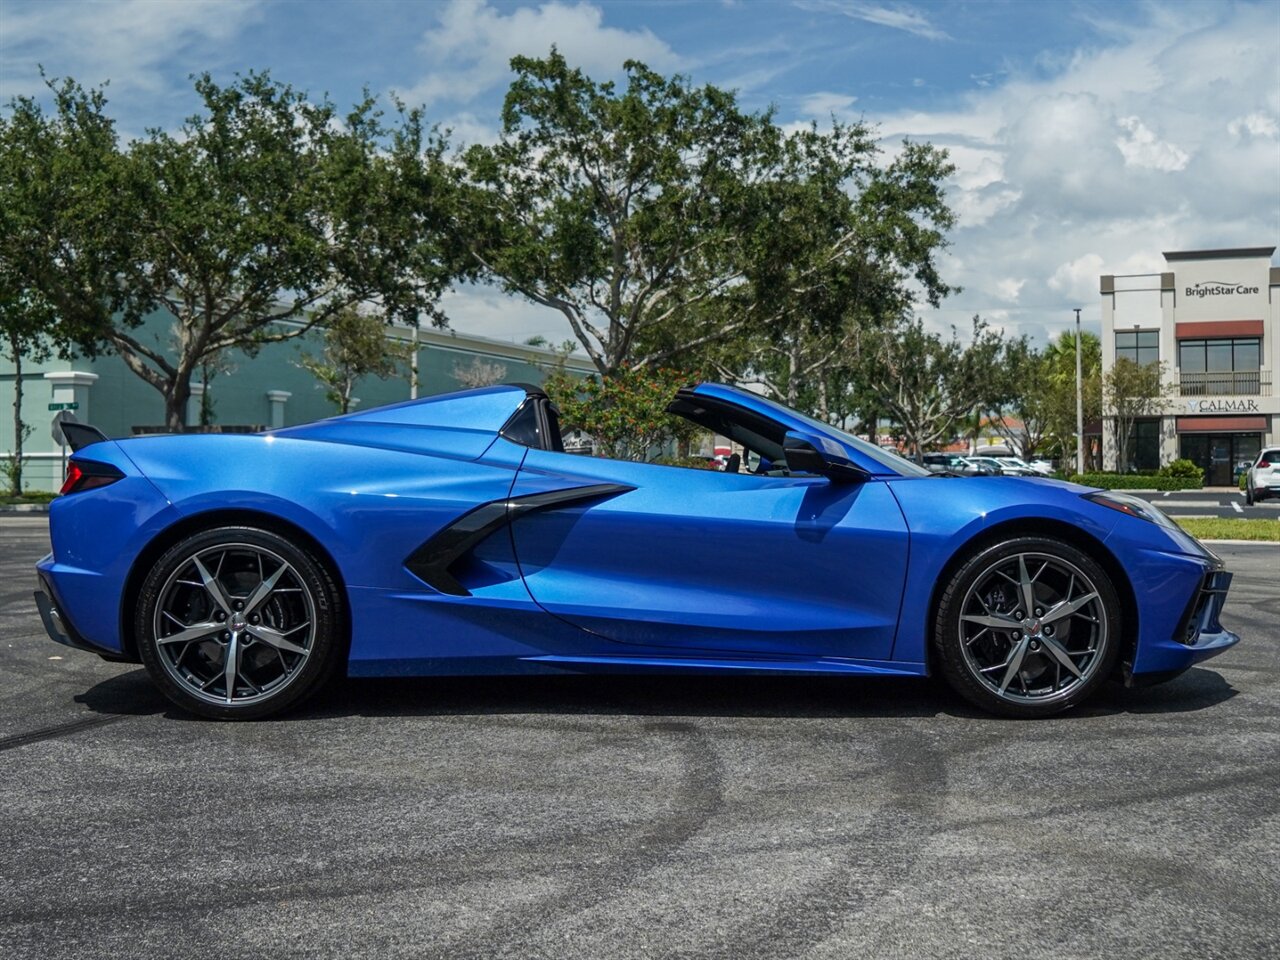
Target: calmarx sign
x=1222 y=406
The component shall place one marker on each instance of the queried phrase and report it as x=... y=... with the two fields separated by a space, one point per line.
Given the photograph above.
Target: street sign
x=64 y=406
x=59 y=418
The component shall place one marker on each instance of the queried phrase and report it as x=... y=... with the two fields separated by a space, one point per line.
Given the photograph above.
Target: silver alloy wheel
x=1033 y=628
x=234 y=624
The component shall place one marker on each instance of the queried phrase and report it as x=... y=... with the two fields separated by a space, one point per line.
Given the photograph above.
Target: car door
x=709 y=562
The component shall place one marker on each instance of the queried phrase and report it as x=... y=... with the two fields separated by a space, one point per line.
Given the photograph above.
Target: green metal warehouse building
x=270 y=389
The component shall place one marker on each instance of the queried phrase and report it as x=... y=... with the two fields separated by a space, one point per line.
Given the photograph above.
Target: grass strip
x=1233 y=528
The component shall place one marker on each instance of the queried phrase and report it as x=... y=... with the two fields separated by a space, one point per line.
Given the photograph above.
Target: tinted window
x=1191 y=356
x=1218 y=355
x=1140 y=346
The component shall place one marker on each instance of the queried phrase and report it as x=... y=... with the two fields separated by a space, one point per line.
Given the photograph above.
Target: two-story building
x=1213 y=321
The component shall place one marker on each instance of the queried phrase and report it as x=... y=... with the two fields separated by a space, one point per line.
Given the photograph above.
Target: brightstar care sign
x=1228 y=289
x=1216 y=288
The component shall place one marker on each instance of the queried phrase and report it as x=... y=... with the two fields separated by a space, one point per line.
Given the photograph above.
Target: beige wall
x=1214 y=286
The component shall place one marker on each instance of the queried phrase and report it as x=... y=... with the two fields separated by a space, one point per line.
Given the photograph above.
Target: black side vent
x=433 y=562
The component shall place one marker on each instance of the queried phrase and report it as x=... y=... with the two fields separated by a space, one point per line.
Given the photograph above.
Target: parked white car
x=1262 y=480
x=1009 y=466
x=1041 y=467
x=1002 y=455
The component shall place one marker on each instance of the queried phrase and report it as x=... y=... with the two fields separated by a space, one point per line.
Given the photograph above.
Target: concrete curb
x=1245 y=543
x=23 y=508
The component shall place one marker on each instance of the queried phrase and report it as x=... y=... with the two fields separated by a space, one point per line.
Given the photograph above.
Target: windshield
x=886 y=458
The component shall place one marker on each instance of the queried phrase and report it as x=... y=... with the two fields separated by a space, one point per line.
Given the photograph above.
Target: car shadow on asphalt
x=132 y=693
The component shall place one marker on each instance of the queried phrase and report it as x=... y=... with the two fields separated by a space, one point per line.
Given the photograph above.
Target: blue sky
x=1089 y=136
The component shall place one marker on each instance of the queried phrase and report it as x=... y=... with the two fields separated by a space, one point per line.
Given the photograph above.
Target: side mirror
x=810 y=453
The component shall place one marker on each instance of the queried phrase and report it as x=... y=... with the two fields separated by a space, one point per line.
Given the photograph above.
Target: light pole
x=1079 y=402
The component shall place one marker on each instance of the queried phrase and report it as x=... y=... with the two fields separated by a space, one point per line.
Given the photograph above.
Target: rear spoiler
x=81 y=434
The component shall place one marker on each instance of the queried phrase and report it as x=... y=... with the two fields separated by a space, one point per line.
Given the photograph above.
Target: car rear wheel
x=238 y=623
x=1028 y=628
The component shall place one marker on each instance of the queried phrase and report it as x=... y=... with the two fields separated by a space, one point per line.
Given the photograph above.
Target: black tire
x=285 y=654
x=1248 y=495
x=979 y=591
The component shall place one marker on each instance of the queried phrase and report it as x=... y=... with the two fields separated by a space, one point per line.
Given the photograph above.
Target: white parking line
x=1191 y=503
x=1239 y=509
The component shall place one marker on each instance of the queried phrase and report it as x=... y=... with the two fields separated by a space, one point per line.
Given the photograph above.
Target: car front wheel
x=1028 y=628
x=238 y=623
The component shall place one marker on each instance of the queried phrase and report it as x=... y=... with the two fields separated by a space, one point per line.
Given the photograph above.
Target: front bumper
x=1201 y=632
x=1168 y=646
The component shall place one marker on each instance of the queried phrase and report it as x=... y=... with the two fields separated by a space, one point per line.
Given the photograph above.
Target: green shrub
x=1182 y=468
x=1134 y=481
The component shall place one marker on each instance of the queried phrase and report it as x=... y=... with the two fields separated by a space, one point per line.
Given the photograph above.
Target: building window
x=1139 y=346
x=1144 y=445
x=1226 y=366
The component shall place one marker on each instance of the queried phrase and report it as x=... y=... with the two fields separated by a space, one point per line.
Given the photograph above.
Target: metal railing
x=1225 y=383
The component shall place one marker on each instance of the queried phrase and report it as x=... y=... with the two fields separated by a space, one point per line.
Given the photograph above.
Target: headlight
x=1133 y=506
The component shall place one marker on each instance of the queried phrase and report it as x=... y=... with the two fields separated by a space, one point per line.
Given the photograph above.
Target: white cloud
x=896 y=17
x=1009 y=288
x=1078 y=279
x=823 y=105
x=128 y=42
x=486 y=311
x=1254 y=125
x=466 y=129
x=1164 y=138
x=469 y=51
x=1141 y=148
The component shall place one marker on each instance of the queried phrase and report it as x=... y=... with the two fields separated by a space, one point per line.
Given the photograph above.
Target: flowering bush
x=625 y=413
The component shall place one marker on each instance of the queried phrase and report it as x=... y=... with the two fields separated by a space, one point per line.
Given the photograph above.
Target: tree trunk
x=175 y=402
x=793 y=373
x=1122 y=445
x=15 y=474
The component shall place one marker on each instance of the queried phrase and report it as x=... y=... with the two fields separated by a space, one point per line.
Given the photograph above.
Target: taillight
x=88 y=474
x=1263 y=464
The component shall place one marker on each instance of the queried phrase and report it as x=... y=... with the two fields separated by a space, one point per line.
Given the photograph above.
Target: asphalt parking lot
x=633 y=817
x=1222 y=503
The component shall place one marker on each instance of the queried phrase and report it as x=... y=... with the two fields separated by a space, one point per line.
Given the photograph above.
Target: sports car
x=454 y=536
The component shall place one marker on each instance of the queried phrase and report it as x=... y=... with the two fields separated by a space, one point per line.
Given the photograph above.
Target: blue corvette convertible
x=453 y=535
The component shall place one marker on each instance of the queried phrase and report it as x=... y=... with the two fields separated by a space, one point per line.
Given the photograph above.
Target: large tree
x=1019 y=409
x=1131 y=391
x=620 y=208
x=926 y=383
x=25 y=319
x=837 y=241
x=60 y=210
x=1057 y=385
x=58 y=237
x=265 y=213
